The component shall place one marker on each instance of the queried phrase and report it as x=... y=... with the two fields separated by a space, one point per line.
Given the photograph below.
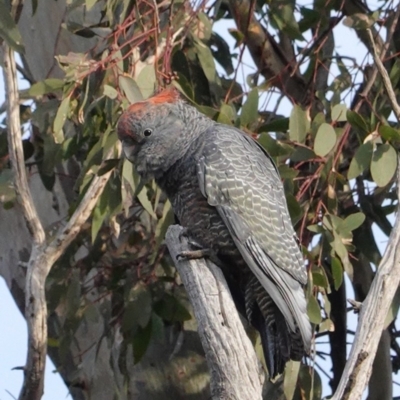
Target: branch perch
x=235 y=371
x=43 y=255
x=372 y=318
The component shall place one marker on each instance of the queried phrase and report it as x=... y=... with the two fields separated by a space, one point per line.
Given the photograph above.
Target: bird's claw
x=193 y=254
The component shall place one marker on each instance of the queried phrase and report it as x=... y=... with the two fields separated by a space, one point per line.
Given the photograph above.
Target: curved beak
x=130 y=149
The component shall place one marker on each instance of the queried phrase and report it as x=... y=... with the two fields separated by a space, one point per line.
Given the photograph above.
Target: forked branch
x=43 y=255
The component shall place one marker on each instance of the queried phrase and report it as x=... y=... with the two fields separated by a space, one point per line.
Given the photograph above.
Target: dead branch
x=43 y=256
x=372 y=318
x=235 y=370
x=385 y=76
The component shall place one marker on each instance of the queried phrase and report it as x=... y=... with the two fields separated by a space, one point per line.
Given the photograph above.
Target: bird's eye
x=147 y=132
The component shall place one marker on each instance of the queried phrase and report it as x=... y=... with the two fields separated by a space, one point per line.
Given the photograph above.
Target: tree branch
x=267 y=55
x=385 y=77
x=43 y=256
x=16 y=152
x=372 y=318
x=235 y=370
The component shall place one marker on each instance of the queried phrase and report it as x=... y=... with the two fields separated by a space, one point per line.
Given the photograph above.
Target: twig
x=372 y=318
x=235 y=370
x=43 y=256
x=385 y=77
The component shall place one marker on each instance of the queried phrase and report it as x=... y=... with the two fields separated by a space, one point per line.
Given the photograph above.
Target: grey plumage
x=227 y=193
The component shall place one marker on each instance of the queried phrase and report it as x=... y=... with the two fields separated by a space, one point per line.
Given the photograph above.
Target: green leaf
x=294 y=208
x=313 y=310
x=110 y=92
x=140 y=341
x=129 y=174
x=318 y=120
x=222 y=53
x=161 y=229
x=8 y=29
x=337 y=272
x=138 y=309
x=319 y=279
x=383 y=164
x=310 y=383
x=249 y=112
x=361 y=160
x=389 y=133
x=292 y=369
x=130 y=89
x=339 y=113
x=278 y=125
x=325 y=140
x=272 y=146
x=98 y=218
x=41 y=88
x=226 y=114
x=302 y=154
x=145 y=202
x=357 y=121
x=237 y=35
x=146 y=81
x=316 y=228
x=353 y=221
x=59 y=120
x=206 y=60
x=171 y=310
x=299 y=124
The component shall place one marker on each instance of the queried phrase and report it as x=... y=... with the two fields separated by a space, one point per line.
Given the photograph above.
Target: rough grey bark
x=235 y=370
x=372 y=318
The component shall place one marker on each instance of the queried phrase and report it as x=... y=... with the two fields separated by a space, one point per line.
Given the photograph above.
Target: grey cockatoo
x=227 y=194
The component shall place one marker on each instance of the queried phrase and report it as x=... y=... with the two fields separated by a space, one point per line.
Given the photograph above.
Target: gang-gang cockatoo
x=226 y=192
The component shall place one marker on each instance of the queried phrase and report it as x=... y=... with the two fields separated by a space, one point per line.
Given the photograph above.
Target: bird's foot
x=194 y=254
x=192 y=242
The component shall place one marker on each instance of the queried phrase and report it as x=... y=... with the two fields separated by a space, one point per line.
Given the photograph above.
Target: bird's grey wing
x=241 y=181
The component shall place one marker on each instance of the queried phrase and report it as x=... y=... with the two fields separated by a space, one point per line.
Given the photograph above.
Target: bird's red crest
x=170 y=95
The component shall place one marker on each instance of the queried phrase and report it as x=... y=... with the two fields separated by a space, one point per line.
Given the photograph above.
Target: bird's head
x=156 y=132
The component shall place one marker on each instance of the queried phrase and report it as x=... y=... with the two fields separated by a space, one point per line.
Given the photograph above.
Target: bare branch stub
x=235 y=371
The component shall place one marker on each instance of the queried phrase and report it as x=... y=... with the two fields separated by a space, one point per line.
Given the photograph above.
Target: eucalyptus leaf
x=389 y=133
x=339 y=113
x=337 y=272
x=383 y=164
x=313 y=310
x=357 y=121
x=206 y=60
x=60 y=118
x=249 y=112
x=299 y=124
x=146 y=81
x=325 y=140
x=292 y=369
x=130 y=88
x=361 y=160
